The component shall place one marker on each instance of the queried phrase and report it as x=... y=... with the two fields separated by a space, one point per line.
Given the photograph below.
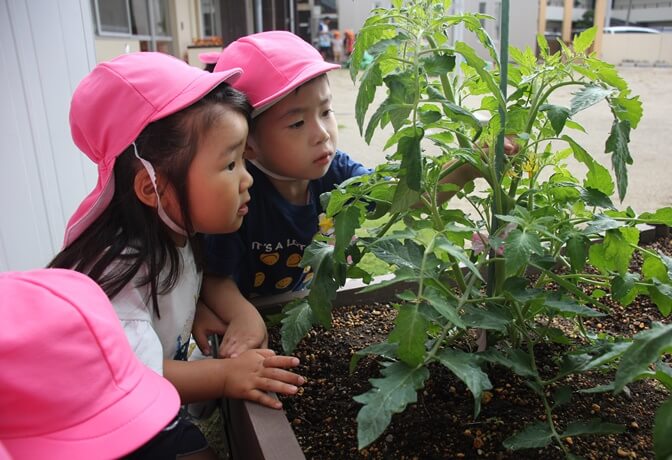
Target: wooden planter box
x=258 y=433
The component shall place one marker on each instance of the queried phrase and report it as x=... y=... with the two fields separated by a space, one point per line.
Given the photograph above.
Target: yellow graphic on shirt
x=306 y=269
x=259 y=278
x=283 y=283
x=293 y=260
x=270 y=258
x=308 y=277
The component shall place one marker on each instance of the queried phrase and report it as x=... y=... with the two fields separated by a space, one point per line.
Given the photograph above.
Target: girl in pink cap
x=168 y=140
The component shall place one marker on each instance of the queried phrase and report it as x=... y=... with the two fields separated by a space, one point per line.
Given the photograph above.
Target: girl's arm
x=248 y=376
x=245 y=328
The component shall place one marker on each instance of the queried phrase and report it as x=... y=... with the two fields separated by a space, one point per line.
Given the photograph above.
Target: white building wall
x=47 y=47
x=353 y=13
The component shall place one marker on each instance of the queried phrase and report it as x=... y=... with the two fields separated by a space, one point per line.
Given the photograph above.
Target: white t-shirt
x=154 y=339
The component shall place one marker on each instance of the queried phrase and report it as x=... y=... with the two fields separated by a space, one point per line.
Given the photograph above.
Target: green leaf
x=404 y=196
x=403 y=254
x=577 y=251
x=517 y=360
x=465 y=367
x=457 y=113
x=557 y=115
x=345 y=223
x=562 y=396
x=389 y=395
x=319 y=256
x=646 y=348
x=661 y=216
x=598 y=176
x=517 y=289
x=662 y=441
x=616 y=250
x=489 y=317
x=661 y=295
x=627 y=109
x=401 y=95
x=411 y=163
x=519 y=246
x=583 y=41
x=437 y=65
x=587 y=96
x=458 y=254
x=600 y=224
x=410 y=332
x=297 y=321
x=441 y=304
x=535 y=435
x=474 y=61
x=617 y=145
x=384 y=349
x=582 y=428
x=367 y=91
x=570 y=308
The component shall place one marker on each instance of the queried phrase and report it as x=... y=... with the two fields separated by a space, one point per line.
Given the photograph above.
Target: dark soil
x=441 y=424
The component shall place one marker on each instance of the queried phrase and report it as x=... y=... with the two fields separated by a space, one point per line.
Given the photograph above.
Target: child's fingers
x=274 y=374
x=281 y=361
x=264 y=399
x=275 y=385
x=201 y=340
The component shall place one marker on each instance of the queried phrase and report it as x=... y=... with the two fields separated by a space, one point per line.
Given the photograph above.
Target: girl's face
x=217 y=181
x=297 y=136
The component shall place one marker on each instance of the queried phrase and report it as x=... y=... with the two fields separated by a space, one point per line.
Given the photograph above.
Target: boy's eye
x=298 y=124
x=327 y=112
x=231 y=166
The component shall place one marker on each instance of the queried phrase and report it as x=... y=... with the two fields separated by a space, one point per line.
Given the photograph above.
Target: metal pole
x=291 y=17
x=627 y=18
x=258 y=16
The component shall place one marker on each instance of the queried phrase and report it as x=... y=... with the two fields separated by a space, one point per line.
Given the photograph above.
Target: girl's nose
x=246 y=181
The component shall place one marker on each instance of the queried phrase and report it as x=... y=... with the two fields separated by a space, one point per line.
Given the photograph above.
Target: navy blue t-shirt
x=263 y=255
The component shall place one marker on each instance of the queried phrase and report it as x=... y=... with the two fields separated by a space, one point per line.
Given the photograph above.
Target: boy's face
x=217 y=180
x=297 y=137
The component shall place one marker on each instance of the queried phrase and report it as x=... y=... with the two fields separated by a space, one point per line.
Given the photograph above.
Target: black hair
x=129 y=234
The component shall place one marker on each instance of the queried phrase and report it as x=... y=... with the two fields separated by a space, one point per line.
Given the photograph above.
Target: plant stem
x=544 y=399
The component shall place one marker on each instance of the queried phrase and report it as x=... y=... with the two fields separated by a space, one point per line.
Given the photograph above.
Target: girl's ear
x=144 y=189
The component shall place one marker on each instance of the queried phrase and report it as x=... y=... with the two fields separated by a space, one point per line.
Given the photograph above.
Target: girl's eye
x=231 y=166
x=327 y=112
x=298 y=124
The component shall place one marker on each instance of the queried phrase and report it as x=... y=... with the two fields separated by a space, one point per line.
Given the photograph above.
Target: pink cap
x=71 y=386
x=274 y=63
x=210 y=57
x=115 y=102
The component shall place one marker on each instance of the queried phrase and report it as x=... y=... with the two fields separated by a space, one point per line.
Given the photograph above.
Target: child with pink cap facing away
x=90 y=397
x=292 y=156
x=168 y=140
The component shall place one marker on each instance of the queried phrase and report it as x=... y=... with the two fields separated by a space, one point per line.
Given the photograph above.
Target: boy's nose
x=322 y=133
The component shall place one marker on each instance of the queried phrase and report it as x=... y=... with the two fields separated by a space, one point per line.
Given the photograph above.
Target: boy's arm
x=246 y=328
x=467 y=172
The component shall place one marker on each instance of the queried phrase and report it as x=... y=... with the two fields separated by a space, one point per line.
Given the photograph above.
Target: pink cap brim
x=112 y=433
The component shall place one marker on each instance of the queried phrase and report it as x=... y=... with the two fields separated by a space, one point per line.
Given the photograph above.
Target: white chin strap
x=162 y=214
x=271 y=173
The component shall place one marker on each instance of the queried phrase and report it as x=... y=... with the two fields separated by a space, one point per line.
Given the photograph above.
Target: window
x=482 y=8
x=212 y=24
x=144 y=20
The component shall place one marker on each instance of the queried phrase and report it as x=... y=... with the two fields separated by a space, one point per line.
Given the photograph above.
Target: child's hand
x=246 y=331
x=254 y=372
x=206 y=323
x=511 y=147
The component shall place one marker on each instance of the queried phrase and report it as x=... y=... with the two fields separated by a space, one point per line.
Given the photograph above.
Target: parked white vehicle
x=629 y=30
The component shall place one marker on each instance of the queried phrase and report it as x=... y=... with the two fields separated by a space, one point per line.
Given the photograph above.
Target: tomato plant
x=471 y=270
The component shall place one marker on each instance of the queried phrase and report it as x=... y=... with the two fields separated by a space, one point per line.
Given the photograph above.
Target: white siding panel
x=47 y=47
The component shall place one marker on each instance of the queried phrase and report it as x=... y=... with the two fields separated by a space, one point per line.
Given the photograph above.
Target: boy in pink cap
x=90 y=397
x=168 y=140
x=292 y=156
